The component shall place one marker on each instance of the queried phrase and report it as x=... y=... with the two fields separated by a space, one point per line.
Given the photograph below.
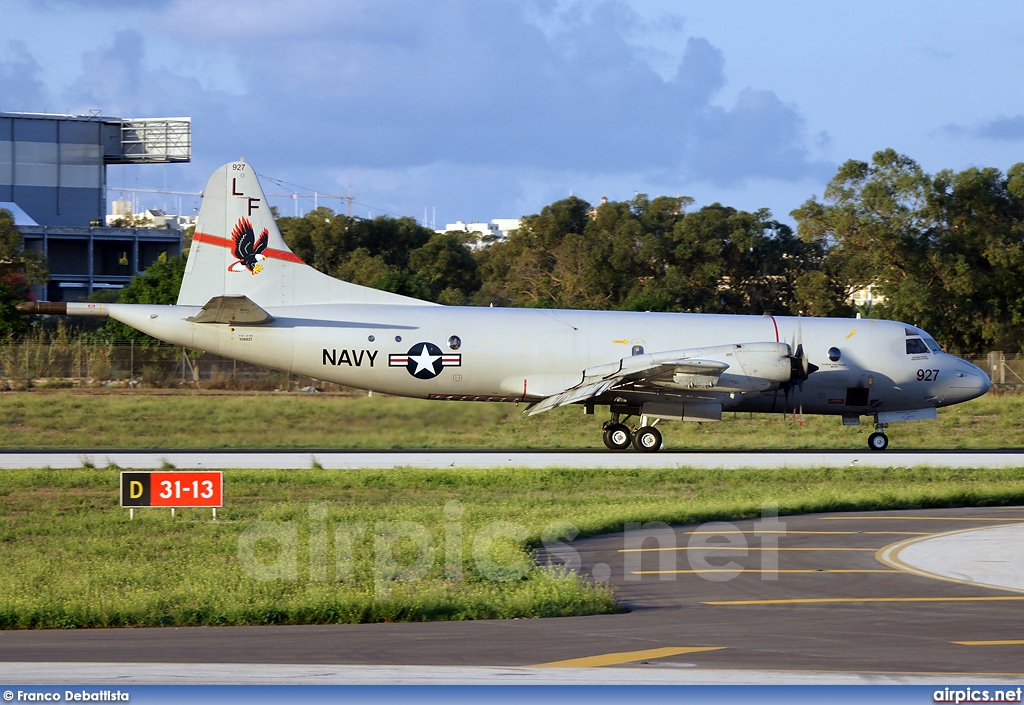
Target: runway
x=829 y=598
x=372 y=459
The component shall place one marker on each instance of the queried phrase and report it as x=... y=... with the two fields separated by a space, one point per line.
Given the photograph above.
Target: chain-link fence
x=78 y=363
x=1002 y=369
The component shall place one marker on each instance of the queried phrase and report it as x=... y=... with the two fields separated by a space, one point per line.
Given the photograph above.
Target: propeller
x=800 y=369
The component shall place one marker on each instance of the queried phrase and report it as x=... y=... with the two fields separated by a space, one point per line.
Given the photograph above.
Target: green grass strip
x=188 y=419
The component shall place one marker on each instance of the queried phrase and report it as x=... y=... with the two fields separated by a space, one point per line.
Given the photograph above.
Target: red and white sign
x=172 y=489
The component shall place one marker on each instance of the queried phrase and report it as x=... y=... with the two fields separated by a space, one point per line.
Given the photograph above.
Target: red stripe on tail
x=229 y=244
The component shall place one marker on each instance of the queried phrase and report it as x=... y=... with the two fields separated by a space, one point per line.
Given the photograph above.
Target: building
x=867 y=296
x=499 y=228
x=121 y=216
x=592 y=213
x=506 y=225
x=53 y=171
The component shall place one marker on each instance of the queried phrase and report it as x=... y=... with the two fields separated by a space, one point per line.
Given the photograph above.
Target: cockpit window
x=932 y=345
x=916 y=346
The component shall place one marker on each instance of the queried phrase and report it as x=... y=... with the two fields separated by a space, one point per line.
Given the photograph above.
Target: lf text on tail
x=245 y=295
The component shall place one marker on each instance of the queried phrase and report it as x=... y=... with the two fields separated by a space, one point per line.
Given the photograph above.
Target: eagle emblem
x=247 y=248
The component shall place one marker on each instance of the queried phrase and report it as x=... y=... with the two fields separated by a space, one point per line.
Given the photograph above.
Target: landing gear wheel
x=647 y=439
x=878 y=441
x=617 y=436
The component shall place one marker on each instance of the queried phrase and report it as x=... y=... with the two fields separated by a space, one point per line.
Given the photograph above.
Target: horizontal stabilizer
x=232 y=309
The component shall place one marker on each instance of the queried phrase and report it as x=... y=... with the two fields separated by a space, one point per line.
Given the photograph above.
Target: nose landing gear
x=878 y=440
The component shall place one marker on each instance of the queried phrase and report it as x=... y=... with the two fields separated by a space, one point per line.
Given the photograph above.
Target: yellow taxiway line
x=758 y=570
x=875 y=518
x=625 y=657
x=810 y=533
x=740 y=548
x=840 y=600
x=1001 y=642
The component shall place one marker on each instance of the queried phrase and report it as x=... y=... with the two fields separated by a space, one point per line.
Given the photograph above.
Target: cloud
x=492 y=98
x=1006 y=129
x=1003 y=129
x=117 y=80
x=390 y=84
x=21 y=88
x=103 y=5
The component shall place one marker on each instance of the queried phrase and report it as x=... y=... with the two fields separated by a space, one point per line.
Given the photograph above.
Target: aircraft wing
x=636 y=368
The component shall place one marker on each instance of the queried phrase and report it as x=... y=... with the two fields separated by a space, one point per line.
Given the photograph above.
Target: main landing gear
x=878 y=440
x=619 y=436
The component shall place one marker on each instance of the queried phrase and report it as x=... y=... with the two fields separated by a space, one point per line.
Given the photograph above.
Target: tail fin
x=238 y=250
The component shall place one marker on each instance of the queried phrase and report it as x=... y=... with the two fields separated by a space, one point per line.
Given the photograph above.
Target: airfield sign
x=172 y=489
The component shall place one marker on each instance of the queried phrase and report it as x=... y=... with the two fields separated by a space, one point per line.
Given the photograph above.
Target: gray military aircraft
x=246 y=296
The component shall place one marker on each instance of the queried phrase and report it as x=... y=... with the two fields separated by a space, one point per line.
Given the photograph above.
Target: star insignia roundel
x=424 y=360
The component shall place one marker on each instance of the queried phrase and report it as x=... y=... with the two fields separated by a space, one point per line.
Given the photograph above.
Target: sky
x=481 y=109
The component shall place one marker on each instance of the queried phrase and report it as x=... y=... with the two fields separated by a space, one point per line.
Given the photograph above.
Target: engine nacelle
x=753 y=367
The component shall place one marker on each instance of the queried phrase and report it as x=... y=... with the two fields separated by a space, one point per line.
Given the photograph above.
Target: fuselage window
x=916 y=346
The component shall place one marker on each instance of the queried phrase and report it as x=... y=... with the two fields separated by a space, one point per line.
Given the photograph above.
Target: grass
x=81 y=419
x=69 y=557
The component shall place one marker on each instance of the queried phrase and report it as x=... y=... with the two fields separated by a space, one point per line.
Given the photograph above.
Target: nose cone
x=968 y=382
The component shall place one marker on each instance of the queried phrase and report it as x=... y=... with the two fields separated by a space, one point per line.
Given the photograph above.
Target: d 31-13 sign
x=172 y=489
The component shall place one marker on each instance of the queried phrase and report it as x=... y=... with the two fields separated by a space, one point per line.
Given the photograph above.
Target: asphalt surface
x=832 y=606
x=369 y=459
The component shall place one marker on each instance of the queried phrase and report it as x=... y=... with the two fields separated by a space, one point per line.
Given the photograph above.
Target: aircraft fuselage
x=528 y=354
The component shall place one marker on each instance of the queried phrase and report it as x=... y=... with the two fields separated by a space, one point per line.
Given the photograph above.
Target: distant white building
x=151 y=218
x=867 y=296
x=499 y=228
x=507 y=225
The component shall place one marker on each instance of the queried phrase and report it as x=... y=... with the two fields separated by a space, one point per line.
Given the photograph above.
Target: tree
x=392 y=254
x=159 y=284
x=946 y=252
x=14 y=258
x=975 y=268
x=720 y=260
x=13 y=323
x=131 y=220
x=519 y=270
x=647 y=255
x=444 y=270
x=19 y=269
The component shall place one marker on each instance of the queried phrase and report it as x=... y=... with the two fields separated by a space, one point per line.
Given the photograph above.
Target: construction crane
x=315 y=196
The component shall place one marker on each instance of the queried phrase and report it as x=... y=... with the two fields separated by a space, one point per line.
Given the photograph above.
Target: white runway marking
x=365 y=460
x=126 y=674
